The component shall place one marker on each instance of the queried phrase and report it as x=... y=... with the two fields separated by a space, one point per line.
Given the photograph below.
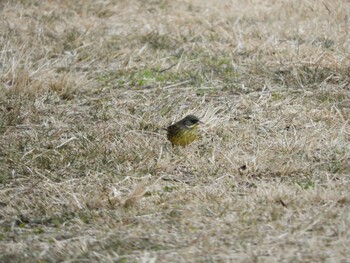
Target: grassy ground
x=86 y=172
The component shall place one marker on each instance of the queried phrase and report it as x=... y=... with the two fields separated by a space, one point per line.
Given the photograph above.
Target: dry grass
x=86 y=173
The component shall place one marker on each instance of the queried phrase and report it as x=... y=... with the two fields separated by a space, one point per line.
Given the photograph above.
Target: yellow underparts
x=184 y=137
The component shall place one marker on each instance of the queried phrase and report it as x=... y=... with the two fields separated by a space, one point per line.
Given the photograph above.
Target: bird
x=184 y=131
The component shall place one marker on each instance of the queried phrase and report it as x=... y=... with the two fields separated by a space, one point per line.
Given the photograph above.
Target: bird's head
x=191 y=121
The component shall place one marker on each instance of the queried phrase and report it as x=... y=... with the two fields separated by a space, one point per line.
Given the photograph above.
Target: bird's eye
x=190 y=123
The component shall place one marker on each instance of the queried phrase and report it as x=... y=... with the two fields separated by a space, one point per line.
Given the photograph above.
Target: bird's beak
x=196 y=124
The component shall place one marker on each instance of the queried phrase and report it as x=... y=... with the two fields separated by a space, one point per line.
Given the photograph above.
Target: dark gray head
x=190 y=120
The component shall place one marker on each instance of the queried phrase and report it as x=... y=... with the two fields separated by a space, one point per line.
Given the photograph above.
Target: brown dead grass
x=86 y=173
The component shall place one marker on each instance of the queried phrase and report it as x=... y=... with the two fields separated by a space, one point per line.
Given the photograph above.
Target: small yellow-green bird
x=184 y=131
